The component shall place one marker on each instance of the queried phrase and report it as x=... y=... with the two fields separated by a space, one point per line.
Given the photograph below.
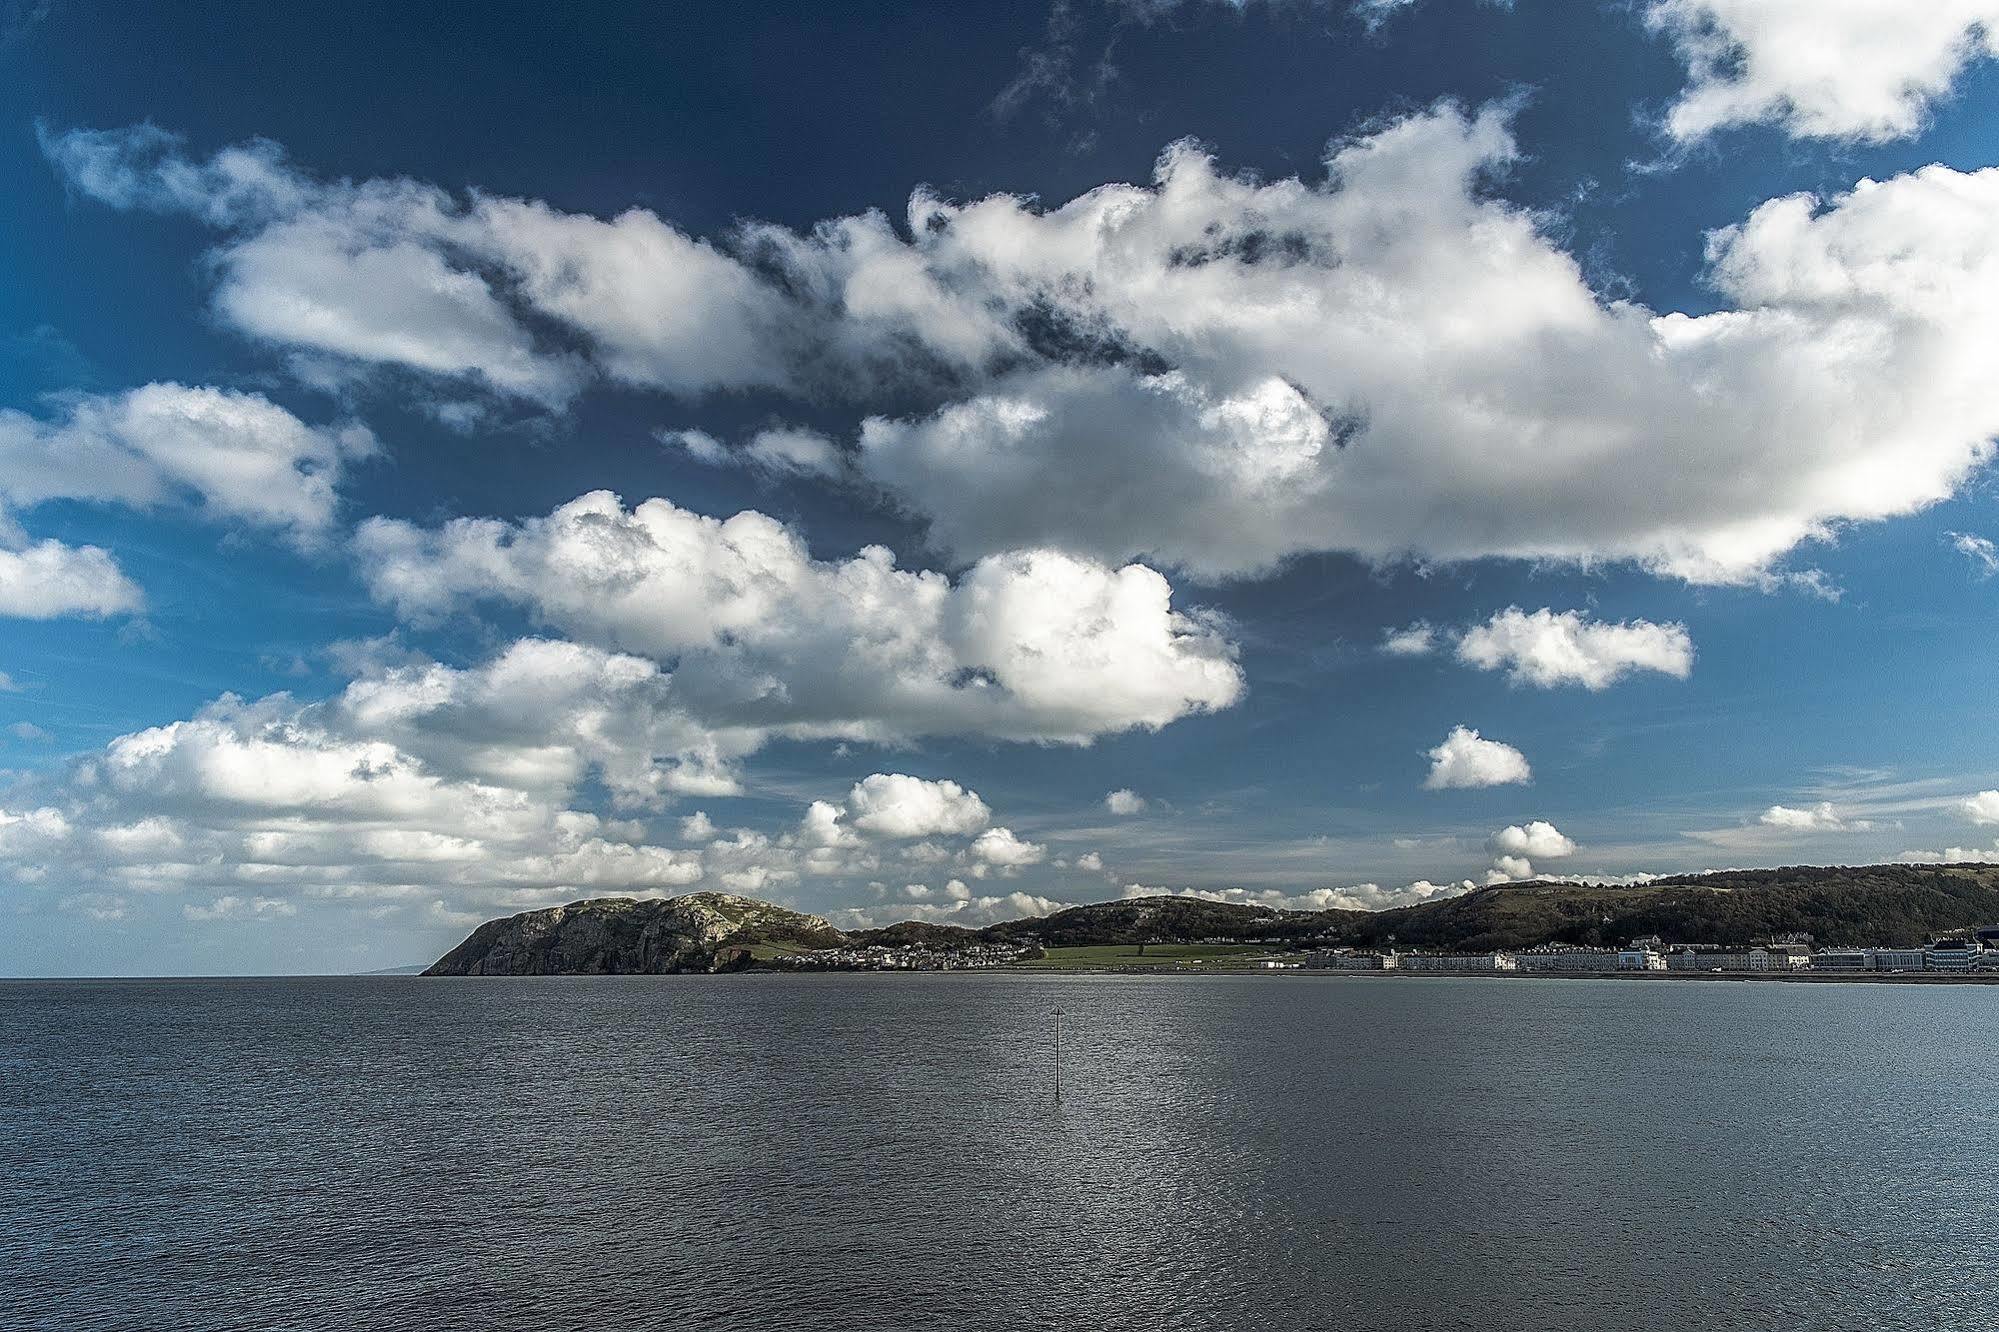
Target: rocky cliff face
x=631 y=936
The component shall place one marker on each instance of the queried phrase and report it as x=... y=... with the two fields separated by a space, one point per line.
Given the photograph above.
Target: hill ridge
x=1896 y=904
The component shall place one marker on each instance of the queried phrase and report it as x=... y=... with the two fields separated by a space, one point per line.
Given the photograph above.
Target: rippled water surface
x=878 y=1152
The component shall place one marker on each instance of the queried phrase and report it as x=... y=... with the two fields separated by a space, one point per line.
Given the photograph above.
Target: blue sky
x=1584 y=473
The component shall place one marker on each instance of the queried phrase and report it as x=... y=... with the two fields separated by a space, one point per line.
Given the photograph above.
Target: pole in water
x=1058 y=1056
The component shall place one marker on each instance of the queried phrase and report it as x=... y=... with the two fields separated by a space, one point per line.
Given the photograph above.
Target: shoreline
x=1176 y=973
x=1794 y=977
x=1328 y=973
x=1808 y=978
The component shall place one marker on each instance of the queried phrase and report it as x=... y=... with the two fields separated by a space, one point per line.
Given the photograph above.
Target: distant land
x=1839 y=906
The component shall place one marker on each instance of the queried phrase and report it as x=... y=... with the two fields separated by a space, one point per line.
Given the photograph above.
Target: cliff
x=632 y=936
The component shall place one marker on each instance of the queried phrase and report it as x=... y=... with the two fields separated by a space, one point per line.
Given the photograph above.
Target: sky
x=946 y=462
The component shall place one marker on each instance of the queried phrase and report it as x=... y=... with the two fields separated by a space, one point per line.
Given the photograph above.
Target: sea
x=888 y=1152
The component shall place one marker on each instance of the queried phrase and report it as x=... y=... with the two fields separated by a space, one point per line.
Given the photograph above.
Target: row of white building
x=1943 y=955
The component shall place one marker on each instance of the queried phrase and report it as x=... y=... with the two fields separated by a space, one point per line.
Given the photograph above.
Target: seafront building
x=1791 y=955
x=1346 y=959
x=1952 y=955
x=1979 y=953
x=1842 y=959
x=1451 y=962
x=1555 y=957
x=1717 y=959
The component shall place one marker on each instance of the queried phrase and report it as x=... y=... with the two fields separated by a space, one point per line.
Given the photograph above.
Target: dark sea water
x=878 y=1152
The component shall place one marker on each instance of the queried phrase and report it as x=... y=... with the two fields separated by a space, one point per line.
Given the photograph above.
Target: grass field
x=1155 y=955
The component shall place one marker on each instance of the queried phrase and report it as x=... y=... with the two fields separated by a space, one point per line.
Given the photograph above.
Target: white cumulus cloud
x=1953 y=855
x=764 y=640
x=1865 y=70
x=1003 y=849
x=1467 y=759
x=1124 y=801
x=1209 y=371
x=1354 y=897
x=1538 y=840
x=1822 y=817
x=1411 y=368
x=232 y=457
x=1549 y=649
x=897 y=806
x=1982 y=808
x=1419 y=891
x=45 y=579
x=1415 y=640
x=417 y=783
x=237 y=456
x=955 y=904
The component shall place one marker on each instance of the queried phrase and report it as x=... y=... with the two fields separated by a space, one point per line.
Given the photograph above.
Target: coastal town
x=913 y=957
x=1959 y=954
x=1971 y=954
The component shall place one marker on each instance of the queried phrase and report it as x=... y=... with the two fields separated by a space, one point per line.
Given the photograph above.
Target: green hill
x=1837 y=905
x=1875 y=904
x=1165 y=919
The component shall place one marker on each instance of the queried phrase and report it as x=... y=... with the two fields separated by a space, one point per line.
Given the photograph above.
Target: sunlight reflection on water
x=885 y=1152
